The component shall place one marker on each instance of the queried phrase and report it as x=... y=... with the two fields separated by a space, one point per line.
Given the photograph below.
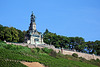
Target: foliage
x=11 y=34
x=7 y=63
x=95 y=62
x=36 y=50
x=21 y=35
x=20 y=53
x=76 y=43
x=53 y=54
x=98 y=48
x=81 y=58
x=72 y=43
x=75 y=55
x=46 y=50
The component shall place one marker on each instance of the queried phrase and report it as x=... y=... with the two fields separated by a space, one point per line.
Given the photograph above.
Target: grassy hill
x=11 y=55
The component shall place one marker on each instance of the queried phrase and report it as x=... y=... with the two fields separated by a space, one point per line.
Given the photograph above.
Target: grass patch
x=4 y=63
x=46 y=56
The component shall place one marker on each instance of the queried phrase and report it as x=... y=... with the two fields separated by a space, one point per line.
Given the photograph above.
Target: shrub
x=2 y=41
x=8 y=46
x=34 y=50
x=46 y=50
x=38 y=49
x=97 y=60
x=81 y=58
x=53 y=53
x=3 y=44
x=59 y=54
x=69 y=57
x=75 y=55
x=13 y=47
x=43 y=54
x=92 y=60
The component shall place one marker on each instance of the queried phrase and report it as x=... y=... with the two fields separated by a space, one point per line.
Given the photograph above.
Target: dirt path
x=33 y=64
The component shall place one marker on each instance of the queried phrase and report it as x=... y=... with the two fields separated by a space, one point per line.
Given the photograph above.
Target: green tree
x=8 y=36
x=2 y=35
x=46 y=31
x=2 y=28
x=46 y=37
x=79 y=44
x=72 y=42
x=11 y=34
x=97 y=47
x=21 y=35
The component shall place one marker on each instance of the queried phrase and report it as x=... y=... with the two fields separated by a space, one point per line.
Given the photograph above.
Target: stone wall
x=84 y=55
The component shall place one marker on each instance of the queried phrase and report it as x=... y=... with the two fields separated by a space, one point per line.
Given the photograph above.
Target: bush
x=38 y=49
x=92 y=60
x=97 y=60
x=75 y=55
x=53 y=53
x=2 y=41
x=8 y=46
x=46 y=50
x=81 y=58
x=34 y=50
x=69 y=57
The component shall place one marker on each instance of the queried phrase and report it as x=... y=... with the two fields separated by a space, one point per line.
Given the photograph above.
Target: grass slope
x=45 y=56
x=5 y=63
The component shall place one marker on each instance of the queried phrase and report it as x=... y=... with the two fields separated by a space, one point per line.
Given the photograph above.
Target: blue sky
x=65 y=17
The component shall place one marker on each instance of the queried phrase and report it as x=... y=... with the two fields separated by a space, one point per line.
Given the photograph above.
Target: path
x=33 y=64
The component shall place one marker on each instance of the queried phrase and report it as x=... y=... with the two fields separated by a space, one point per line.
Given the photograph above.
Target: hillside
x=11 y=55
x=11 y=34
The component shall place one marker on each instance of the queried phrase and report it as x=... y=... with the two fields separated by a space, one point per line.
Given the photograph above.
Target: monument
x=33 y=37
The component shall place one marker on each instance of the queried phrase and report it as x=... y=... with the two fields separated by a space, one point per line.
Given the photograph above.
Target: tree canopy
x=12 y=34
x=77 y=43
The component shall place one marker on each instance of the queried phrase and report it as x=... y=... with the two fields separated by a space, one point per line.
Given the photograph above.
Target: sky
x=69 y=18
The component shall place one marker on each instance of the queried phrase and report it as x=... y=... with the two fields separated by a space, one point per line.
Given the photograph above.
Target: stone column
x=94 y=56
x=62 y=50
